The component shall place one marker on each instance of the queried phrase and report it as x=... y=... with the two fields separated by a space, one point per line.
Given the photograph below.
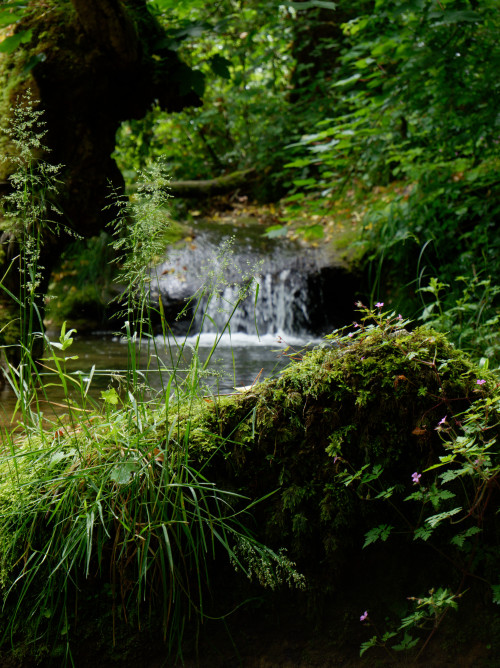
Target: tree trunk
x=90 y=65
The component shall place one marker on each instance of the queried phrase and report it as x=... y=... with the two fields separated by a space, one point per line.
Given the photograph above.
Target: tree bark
x=97 y=63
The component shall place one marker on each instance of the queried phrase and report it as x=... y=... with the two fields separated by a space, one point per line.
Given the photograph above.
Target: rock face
x=89 y=65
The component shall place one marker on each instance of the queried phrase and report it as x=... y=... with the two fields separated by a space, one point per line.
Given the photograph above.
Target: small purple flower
x=379 y=304
x=356 y=324
x=350 y=334
x=416 y=477
x=481 y=381
x=400 y=317
x=441 y=422
x=364 y=616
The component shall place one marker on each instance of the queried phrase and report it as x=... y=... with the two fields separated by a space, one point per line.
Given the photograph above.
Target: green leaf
x=387 y=493
x=408 y=642
x=310 y=4
x=304 y=182
x=122 y=473
x=220 y=66
x=496 y=593
x=460 y=538
x=11 y=43
x=348 y=81
x=311 y=232
x=33 y=62
x=110 y=396
x=6 y=18
x=447 y=476
x=275 y=231
x=381 y=532
x=434 y=520
x=367 y=645
x=295 y=197
x=422 y=532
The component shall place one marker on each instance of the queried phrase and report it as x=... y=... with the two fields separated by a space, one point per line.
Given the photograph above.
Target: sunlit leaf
x=11 y=43
x=275 y=231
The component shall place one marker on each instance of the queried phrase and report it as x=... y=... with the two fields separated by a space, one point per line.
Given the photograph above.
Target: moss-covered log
x=201 y=189
x=210 y=187
x=343 y=443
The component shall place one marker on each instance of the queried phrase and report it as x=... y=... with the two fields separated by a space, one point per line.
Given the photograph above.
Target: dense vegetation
x=367 y=472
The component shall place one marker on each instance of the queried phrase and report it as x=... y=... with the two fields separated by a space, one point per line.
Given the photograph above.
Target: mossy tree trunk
x=90 y=65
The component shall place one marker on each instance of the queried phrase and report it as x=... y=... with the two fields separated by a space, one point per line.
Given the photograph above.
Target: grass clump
x=107 y=499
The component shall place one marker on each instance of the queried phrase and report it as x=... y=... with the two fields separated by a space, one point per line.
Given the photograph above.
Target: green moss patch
x=373 y=439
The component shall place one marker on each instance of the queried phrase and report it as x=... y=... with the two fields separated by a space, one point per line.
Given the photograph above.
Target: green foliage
x=256 y=100
x=417 y=100
x=459 y=486
x=27 y=216
x=110 y=494
x=472 y=320
x=106 y=497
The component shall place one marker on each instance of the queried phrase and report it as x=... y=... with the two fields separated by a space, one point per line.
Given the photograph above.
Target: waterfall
x=301 y=291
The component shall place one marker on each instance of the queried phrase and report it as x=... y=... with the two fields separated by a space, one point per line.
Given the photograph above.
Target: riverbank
x=317 y=462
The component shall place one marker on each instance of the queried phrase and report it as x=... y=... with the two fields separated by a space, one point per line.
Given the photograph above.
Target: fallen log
x=194 y=189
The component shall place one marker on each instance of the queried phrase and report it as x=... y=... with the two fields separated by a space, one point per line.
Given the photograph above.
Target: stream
x=302 y=294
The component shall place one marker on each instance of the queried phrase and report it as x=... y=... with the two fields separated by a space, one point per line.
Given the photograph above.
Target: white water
x=291 y=296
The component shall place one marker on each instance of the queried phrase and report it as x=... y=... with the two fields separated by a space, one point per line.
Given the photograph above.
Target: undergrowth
x=106 y=493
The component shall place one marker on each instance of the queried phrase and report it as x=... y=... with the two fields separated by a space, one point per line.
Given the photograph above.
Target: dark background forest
x=382 y=112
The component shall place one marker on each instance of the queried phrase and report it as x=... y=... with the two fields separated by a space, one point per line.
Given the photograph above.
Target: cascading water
x=301 y=291
x=302 y=294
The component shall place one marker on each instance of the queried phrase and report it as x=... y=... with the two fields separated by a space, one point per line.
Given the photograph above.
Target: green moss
x=16 y=68
x=353 y=403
